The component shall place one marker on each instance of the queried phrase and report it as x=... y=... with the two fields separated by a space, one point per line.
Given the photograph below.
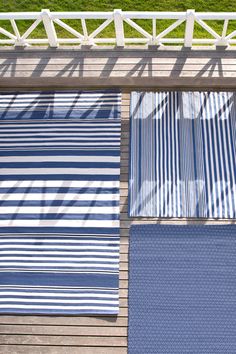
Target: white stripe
x=72 y=184
x=55 y=294
x=70 y=301
x=61 y=158
x=78 y=123
x=58 y=287
x=17 y=242
x=59 y=99
x=43 y=307
x=49 y=256
x=58 y=135
x=46 y=130
x=56 y=210
x=94 y=247
x=44 y=250
x=59 y=196
x=62 y=144
x=56 y=265
x=31 y=105
x=81 y=95
x=67 y=272
x=60 y=223
x=60 y=171
x=75 y=137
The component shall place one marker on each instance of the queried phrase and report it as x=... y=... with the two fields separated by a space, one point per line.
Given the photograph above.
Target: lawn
x=126 y=5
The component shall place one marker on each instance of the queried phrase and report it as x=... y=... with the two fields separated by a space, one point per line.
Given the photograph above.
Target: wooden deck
x=104 y=68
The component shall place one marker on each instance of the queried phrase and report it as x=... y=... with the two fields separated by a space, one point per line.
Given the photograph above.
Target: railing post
x=189 y=28
x=119 y=28
x=49 y=28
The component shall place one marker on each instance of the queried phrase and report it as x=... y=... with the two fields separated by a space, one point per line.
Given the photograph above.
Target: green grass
x=126 y=5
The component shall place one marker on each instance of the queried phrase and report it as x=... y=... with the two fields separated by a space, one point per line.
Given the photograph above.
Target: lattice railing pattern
x=118 y=18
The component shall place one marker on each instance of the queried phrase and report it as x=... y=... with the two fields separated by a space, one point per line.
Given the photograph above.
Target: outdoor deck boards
x=125 y=68
x=104 y=67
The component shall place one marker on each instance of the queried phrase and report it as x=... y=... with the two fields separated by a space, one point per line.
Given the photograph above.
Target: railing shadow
x=114 y=67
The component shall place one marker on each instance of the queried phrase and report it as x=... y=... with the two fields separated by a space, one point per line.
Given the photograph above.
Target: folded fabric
x=59 y=202
x=182 y=154
x=182 y=288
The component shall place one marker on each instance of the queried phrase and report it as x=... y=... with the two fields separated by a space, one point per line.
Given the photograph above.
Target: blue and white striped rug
x=59 y=202
x=183 y=154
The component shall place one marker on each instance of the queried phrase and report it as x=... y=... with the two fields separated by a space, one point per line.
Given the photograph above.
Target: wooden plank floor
x=126 y=69
x=105 y=67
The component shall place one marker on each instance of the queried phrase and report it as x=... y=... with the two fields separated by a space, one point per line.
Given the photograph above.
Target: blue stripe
x=19 y=239
x=73 y=312
x=58 y=216
x=77 y=140
x=63 y=123
x=40 y=124
x=61 y=230
x=16 y=189
x=92 y=203
x=68 y=279
x=63 y=164
x=71 y=152
x=94 y=113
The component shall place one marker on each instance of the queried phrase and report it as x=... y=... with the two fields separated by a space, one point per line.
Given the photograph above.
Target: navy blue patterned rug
x=182 y=289
x=59 y=202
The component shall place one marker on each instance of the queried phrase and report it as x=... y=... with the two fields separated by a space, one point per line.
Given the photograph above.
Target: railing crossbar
x=69 y=29
x=169 y=29
x=118 y=18
x=31 y=28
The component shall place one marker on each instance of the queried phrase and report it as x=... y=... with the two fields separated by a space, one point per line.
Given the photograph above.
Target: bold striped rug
x=183 y=153
x=59 y=202
x=182 y=288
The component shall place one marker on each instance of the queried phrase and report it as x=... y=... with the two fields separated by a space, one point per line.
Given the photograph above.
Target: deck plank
x=32 y=349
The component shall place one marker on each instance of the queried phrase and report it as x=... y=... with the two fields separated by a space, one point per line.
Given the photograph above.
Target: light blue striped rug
x=59 y=202
x=183 y=154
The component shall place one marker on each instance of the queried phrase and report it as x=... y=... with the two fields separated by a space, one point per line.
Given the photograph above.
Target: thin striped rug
x=183 y=153
x=182 y=288
x=59 y=202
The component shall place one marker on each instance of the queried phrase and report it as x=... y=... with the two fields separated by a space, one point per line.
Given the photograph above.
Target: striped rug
x=183 y=153
x=59 y=202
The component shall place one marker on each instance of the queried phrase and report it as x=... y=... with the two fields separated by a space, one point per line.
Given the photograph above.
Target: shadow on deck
x=162 y=68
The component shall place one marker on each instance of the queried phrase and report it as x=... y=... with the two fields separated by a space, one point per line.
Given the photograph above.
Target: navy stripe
x=83 y=280
x=63 y=230
x=51 y=164
x=59 y=202
x=58 y=216
x=94 y=113
x=38 y=263
x=71 y=152
x=58 y=177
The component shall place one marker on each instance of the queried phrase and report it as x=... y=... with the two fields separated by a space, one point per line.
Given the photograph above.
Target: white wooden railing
x=49 y=19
